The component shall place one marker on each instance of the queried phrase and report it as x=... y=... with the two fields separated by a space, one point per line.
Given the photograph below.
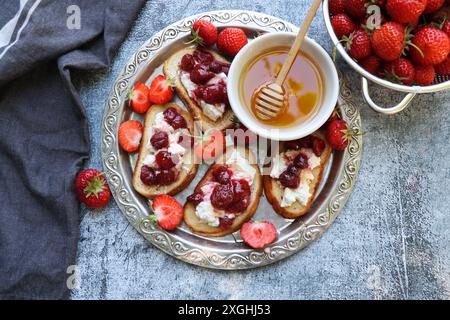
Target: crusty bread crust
x=186 y=176
x=171 y=68
x=199 y=227
x=274 y=192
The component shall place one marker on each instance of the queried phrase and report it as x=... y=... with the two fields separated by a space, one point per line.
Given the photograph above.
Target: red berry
x=222 y=196
x=342 y=25
x=200 y=74
x=222 y=174
x=358 y=44
x=318 y=145
x=443 y=68
x=434 y=46
x=130 y=134
x=257 y=235
x=165 y=177
x=196 y=198
x=301 y=161
x=204 y=32
x=168 y=212
x=160 y=91
x=226 y=221
x=179 y=122
x=187 y=62
x=355 y=8
x=401 y=71
x=203 y=57
x=338 y=134
x=170 y=114
x=406 y=11
x=138 y=97
x=371 y=64
x=446 y=28
x=289 y=180
x=92 y=188
x=160 y=140
x=240 y=205
x=231 y=41
x=388 y=41
x=434 y=5
x=241 y=189
x=165 y=160
x=424 y=75
x=336 y=6
x=148 y=176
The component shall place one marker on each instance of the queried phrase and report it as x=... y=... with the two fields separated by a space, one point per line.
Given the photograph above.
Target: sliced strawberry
x=160 y=91
x=130 y=134
x=138 y=98
x=257 y=235
x=168 y=212
x=210 y=146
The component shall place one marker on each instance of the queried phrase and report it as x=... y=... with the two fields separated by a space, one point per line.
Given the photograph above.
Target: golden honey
x=304 y=86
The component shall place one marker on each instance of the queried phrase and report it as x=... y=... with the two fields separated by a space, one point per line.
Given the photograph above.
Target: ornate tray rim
x=174 y=245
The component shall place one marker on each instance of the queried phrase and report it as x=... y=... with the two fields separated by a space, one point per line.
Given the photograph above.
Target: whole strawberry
x=358 y=44
x=401 y=71
x=371 y=64
x=342 y=25
x=443 y=68
x=204 y=33
x=430 y=46
x=406 y=11
x=231 y=41
x=433 y=6
x=424 y=75
x=388 y=41
x=336 y=6
x=338 y=134
x=92 y=188
x=356 y=8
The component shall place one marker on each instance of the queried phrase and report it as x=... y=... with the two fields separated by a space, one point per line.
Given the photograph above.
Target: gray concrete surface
x=391 y=242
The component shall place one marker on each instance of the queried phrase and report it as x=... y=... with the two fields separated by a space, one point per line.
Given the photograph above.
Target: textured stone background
x=391 y=241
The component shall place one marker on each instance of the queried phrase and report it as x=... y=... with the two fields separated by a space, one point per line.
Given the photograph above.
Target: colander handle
x=402 y=105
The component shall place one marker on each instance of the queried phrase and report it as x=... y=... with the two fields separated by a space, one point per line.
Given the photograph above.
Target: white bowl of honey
x=311 y=87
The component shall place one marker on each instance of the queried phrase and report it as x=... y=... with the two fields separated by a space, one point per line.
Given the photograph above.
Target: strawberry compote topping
x=230 y=195
x=164 y=168
x=206 y=81
x=290 y=177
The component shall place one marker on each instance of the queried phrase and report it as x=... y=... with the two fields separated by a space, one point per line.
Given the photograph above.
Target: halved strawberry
x=160 y=91
x=130 y=134
x=210 y=146
x=168 y=212
x=138 y=97
x=257 y=235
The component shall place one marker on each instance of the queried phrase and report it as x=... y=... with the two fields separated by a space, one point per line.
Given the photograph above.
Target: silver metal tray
x=228 y=253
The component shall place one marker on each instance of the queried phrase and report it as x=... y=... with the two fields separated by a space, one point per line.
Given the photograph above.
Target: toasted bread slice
x=274 y=192
x=171 y=68
x=202 y=228
x=187 y=173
